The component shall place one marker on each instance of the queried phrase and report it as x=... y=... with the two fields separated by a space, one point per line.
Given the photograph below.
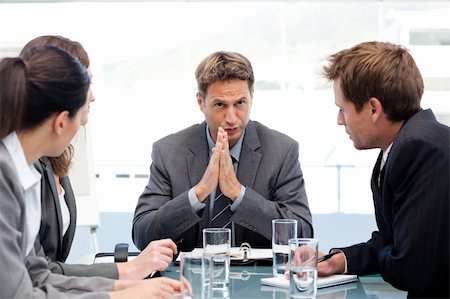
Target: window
x=144 y=55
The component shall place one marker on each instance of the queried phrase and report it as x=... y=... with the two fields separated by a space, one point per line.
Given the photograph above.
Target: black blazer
x=411 y=247
x=50 y=241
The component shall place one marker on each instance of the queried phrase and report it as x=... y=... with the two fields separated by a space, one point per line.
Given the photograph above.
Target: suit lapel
x=197 y=161
x=71 y=205
x=51 y=182
x=197 y=156
x=376 y=190
x=250 y=158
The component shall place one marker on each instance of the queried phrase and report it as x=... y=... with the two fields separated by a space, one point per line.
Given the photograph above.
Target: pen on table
x=179 y=242
x=327 y=256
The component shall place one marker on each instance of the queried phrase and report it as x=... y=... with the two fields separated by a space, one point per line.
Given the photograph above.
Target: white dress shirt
x=383 y=161
x=65 y=214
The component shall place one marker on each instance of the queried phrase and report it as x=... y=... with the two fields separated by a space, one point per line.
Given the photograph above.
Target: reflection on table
x=245 y=283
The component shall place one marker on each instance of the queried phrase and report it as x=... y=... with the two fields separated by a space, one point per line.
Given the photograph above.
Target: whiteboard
x=82 y=177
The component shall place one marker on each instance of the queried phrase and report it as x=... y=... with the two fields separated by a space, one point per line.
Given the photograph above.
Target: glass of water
x=303 y=267
x=282 y=231
x=217 y=244
x=194 y=275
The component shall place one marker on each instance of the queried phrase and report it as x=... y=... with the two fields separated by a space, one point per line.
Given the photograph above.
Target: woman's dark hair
x=46 y=80
x=73 y=47
x=61 y=163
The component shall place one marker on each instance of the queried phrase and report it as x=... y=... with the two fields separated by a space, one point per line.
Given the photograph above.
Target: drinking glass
x=217 y=243
x=282 y=231
x=303 y=267
x=194 y=275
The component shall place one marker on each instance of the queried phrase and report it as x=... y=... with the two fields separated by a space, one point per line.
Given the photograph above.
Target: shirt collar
x=386 y=152
x=235 y=151
x=28 y=175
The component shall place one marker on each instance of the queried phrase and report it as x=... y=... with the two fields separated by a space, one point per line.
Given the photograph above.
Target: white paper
x=322 y=281
x=235 y=254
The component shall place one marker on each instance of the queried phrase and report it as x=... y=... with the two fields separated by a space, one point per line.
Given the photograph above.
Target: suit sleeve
x=70 y=286
x=285 y=199
x=107 y=270
x=158 y=213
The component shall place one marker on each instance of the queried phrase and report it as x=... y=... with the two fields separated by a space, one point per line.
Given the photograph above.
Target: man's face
x=227 y=104
x=358 y=125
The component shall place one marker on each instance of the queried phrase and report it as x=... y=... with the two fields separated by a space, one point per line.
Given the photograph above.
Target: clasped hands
x=220 y=171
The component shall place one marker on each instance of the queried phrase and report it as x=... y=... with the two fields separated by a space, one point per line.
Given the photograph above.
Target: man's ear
x=60 y=122
x=200 y=102
x=376 y=108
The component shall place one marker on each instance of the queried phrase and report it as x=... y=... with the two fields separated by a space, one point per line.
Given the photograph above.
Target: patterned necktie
x=221 y=212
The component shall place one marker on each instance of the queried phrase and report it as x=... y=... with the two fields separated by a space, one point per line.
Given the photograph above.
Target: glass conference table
x=245 y=283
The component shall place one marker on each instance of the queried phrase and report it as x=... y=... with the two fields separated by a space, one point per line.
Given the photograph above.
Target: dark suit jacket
x=268 y=167
x=411 y=247
x=50 y=241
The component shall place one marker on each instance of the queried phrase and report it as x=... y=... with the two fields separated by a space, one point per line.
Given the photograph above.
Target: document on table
x=322 y=281
x=237 y=254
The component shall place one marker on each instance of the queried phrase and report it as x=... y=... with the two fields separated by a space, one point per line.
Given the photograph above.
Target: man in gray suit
x=225 y=172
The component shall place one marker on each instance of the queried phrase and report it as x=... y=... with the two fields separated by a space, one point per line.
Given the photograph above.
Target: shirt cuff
x=238 y=200
x=193 y=200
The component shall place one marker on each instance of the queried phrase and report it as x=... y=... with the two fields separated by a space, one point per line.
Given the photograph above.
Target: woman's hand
x=157 y=256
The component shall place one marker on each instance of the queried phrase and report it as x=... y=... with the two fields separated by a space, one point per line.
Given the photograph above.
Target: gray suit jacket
x=50 y=242
x=24 y=276
x=268 y=167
